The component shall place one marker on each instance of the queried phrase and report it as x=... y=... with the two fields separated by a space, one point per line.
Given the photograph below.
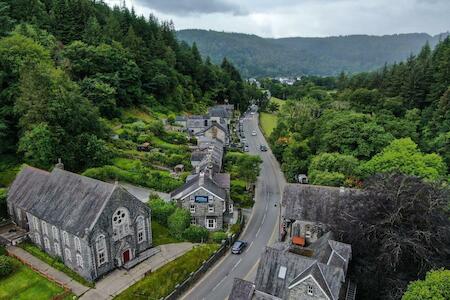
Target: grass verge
x=268 y=123
x=162 y=282
x=161 y=235
x=55 y=263
x=24 y=283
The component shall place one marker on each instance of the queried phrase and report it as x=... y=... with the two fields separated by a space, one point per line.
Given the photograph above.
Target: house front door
x=126 y=256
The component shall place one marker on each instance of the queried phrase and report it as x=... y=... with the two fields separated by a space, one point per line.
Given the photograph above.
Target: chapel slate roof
x=67 y=200
x=242 y=290
x=312 y=202
x=200 y=180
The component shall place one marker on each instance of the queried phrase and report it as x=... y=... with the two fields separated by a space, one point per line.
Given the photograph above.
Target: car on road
x=244 y=140
x=246 y=149
x=238 y=247
x=254 y=133
x=252 y=113
x=263 y=148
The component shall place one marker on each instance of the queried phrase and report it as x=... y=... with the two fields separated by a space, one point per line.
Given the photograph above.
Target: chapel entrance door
x=126 y=256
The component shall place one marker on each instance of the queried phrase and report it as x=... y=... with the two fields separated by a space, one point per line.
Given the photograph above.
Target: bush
x=327 y=178
x=218 y=236
x=178 y=221
x=6 y=266
x=235 y=228
x=196 y=234
x=161 y=210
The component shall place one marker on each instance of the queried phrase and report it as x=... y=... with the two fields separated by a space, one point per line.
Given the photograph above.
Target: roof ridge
x=324 y=279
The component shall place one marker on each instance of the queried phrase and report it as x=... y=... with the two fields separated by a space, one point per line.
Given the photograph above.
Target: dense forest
x=68 y=65
x=347 y=130
x=256 y=56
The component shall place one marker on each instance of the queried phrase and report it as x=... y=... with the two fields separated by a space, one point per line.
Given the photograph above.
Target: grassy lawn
x=161 y=235
x=24 y=284
x=268 y=122
x=9 y=167
x=55 y=263
x=278 y=101
x=162 y=282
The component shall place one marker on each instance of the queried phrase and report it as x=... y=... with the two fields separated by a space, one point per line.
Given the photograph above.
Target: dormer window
x=282 y=272
x=310 y=290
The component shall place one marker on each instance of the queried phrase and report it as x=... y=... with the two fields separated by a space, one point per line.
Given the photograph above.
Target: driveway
x=261 y=229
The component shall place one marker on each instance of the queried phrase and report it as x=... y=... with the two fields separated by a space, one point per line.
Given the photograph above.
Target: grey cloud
x=183 y=7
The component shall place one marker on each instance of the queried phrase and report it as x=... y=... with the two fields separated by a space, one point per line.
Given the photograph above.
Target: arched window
x=37 y=238
x=44 y=228
x=57 y=249
x=66 y=238
x=55 y=232
x=100 y=244
x=121 y=223
x=77 y=244
x=79 y=260
x=68 y=254
x=140 y=226
x=47 y=243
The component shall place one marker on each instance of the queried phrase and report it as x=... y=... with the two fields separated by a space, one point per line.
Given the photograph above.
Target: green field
x=268 y=122
x=162 y=282
x=277 y=101
x=24 y=284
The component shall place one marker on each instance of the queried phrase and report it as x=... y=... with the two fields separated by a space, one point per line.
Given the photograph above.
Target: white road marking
x=264 y=218
x=259 y=229
x=217 y=285
x=234 y=267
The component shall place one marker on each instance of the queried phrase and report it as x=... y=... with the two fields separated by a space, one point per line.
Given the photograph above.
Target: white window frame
x=79 y=260
x=192 y=208
x=67 y=254
x=19 y=215
x=77 y=244
x=46 y=243
x=57 y=248
x=310 y=290
x=44 y=228
x=214 y=223
x=100 y=245
x=55 y=232
x=121 y=223
x=140 y=226
x=35 y=223
x=66 y=238
x=37 y=238
x=230 y=208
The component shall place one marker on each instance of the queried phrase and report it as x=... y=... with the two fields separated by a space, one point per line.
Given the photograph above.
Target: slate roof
x=214 y=124
x=196 y=121
x=242 y=290
x=196 y=182
x=198 y=155
x=219 y=111
x=223 y=180
x=180 y=118
x=67 y=200
x=313 y=203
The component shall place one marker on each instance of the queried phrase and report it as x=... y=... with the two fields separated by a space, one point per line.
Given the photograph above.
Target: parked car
x=246 y=149
x=254 y=133
x=238 y=247
x=244 y=140
x=263 y=148
x=252 y=113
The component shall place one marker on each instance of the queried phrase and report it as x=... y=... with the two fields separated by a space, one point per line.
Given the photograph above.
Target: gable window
x=100 y=244
x=79 y=260
x=46 y=243
x=140 y=224
x=68 y=254
x=211 y=223
x=310 y=290
x=37 y=238
x=211 y=208
x=66 y=238
x=121 y=223
x=44 y=228
x=77 y=244
x=55 y=233
x=192 y=208
x=57 y=249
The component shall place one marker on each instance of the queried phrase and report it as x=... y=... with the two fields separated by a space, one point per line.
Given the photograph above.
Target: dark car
x=263 y=148
x=238 y=247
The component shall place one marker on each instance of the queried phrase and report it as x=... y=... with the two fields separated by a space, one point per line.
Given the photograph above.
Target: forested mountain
x=256 y=56
x=67 y=64
x=344 y=130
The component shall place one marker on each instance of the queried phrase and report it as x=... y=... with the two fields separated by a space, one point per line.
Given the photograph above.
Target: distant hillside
x=256 y=56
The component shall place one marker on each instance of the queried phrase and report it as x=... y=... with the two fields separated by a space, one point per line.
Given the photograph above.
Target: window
x=44 y=228
x=66 y=238
x=55 y=233
x=67 y=254
x=310 y=290
x=78 y=244
x=35 y=223
x=210 y=208
x=19 y=215
x=57 y=249
x=282 y=272
x=121 y=223
x=193 y=221
x=37 y=238
x=46 y=243
x=230 y=208
x=100 y=244
x=210 y=223
x=140 y=224
x=79 y=260
x=192 y=208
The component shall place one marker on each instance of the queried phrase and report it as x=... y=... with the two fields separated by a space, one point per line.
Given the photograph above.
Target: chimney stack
x=59 y=165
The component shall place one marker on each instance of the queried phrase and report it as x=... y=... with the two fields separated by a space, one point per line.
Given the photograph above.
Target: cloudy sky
x=284 y=18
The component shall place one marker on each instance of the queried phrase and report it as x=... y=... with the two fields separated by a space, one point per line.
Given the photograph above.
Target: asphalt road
x=261 y=229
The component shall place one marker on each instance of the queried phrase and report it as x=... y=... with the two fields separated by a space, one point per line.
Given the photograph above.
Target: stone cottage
x=92 y=226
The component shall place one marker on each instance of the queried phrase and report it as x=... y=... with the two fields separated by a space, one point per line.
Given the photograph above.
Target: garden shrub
x=218 y=236
x=178 y=221
x=161 y=210
x=6 y=266
x=196 y=234
x=327 y=178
